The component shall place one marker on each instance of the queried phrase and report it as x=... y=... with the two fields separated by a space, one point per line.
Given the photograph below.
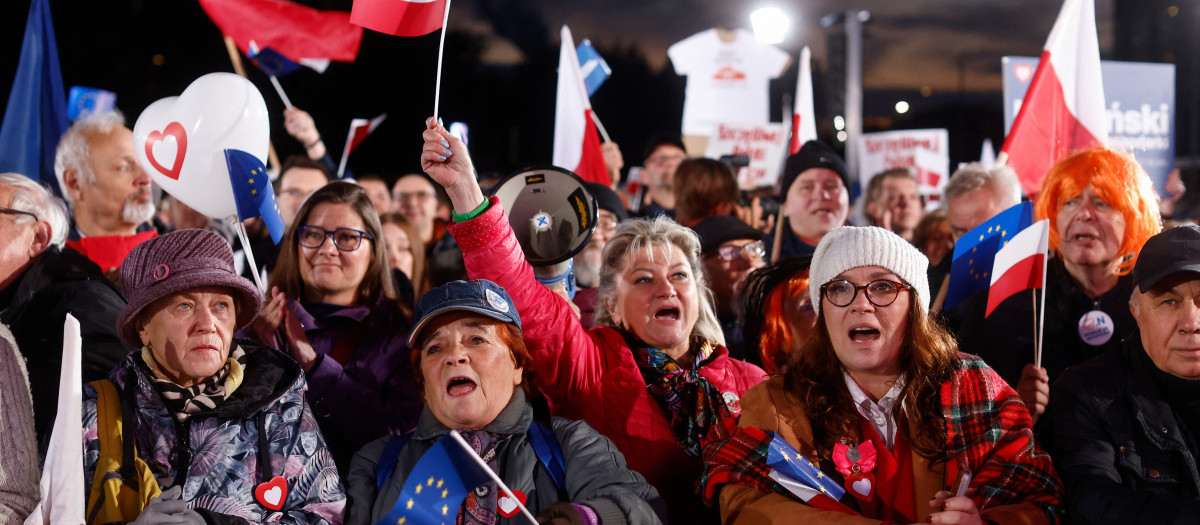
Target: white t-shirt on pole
x=727 y=81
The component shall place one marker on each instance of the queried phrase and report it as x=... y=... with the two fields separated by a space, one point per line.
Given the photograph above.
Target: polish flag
x=399 y=17
x=359 y=129
x=1020 y=264
x=1063 y=110
x=804 y=121
x=300 y=33
x=576 y=141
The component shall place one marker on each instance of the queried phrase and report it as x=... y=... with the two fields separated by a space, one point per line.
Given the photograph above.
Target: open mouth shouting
x=667 y=314
x=460 y=386
x=864 y=334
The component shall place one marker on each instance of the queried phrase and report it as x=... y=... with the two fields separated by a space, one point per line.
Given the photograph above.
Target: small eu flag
x=437 y=485
x=592 y=66
x=272 y=62
x=975 y=251
x=84 y=101
x=252 y=191
x=784 y=459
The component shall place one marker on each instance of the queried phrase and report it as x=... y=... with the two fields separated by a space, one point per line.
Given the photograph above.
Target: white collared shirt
x=879 y=414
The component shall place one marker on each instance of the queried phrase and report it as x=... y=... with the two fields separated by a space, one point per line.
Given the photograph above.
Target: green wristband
x=464 y=217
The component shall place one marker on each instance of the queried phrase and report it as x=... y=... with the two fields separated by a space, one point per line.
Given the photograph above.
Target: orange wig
x=776 y=338
x=1118 y=180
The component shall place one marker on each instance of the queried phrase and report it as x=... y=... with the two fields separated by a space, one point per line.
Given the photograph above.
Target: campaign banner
x=1139 y=113
x=926 y=152
x=764 y=144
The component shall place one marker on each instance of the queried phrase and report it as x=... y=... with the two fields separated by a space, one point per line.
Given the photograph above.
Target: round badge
x=732 y=402
x=541 y=221
x=162 y=271
x=496 y=301
x=1095 y=328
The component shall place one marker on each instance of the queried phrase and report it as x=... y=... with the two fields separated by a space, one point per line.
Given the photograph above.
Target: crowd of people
x=715 y=365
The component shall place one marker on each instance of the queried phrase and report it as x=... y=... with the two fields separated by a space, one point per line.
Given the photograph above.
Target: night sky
x=502 y=54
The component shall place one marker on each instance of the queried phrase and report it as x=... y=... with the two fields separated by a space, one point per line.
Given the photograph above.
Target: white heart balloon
x=180 y=141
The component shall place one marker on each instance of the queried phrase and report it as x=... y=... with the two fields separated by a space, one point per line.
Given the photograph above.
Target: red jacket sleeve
x=567 y=361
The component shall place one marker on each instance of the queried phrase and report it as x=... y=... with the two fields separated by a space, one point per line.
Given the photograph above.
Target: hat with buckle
x=179 y=261
x=1173 y=250
x=480 y=296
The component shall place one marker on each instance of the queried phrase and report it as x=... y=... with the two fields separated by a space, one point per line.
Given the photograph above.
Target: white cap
x=850 y=247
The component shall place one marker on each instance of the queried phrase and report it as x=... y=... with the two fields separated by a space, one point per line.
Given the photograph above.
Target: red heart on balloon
x=173 y=129
x=273 y=493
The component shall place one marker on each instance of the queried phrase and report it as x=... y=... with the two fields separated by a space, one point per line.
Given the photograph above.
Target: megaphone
x=553 y=215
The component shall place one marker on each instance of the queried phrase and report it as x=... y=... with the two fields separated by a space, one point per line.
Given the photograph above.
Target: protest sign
x=764 y=144
x=924 y=151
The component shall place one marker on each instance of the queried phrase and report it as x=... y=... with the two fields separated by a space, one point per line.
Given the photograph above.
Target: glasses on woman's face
x=731 y=253
x=345 y=239
x=880 y=292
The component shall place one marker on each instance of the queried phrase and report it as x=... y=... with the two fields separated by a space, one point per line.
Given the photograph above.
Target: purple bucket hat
x=175 y=262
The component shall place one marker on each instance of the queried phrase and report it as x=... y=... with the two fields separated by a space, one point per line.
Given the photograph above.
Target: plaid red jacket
x=988 y=430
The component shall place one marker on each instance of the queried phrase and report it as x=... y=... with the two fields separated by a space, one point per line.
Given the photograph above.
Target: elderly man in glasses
x=41 y=281
x=730 y=249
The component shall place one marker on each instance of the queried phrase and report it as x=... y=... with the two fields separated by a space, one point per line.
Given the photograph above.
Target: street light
x=770 y=25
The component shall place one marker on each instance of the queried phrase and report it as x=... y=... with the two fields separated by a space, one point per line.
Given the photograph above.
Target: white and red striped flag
x=399 y=17
x=359 y=129
x=576 y=141
x=804 y=118
x=1063 y=110
x=1020 y=265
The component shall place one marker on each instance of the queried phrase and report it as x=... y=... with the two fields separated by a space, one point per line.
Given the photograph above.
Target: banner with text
x=1140 y=116
x=926 y=152
x=764 y=144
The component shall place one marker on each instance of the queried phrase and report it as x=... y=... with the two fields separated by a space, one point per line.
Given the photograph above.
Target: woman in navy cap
x=472 y=364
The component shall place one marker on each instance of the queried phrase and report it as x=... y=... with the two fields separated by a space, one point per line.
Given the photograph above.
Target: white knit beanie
x=850 y=247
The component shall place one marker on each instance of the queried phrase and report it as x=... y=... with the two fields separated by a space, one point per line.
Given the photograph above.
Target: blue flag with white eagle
x=252 y=191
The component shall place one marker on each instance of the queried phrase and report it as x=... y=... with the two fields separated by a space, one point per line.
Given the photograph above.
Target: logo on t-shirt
x=729 y=74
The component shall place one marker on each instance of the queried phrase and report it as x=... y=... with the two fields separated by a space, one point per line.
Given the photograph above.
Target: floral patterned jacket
x=216 y=454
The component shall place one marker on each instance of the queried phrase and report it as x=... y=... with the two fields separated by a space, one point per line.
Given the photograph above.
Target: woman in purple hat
x=221 y=424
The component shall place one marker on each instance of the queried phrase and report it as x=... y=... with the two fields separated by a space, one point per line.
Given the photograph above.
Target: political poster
x=926 y=152
x=764 y=144
x=1139 y=110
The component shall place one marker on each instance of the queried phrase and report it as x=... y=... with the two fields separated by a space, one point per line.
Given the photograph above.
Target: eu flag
x=252 y=191
x=970 y=273
x=437 y=485
x=782 y=458
x=593 y=67
x=272 y=62
x=36 y=115
x=83 y=101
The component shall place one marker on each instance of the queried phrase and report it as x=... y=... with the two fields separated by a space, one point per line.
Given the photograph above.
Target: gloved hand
x=168 y=508
x=561 y=513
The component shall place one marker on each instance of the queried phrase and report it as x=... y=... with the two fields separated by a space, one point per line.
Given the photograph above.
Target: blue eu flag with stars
x=437 y=485
x=784 y=459
x=252 y=191
x=272 y=62
x=976 y=250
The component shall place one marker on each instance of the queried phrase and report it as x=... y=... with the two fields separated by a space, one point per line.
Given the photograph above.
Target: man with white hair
x=41 y=281
x=109 y=192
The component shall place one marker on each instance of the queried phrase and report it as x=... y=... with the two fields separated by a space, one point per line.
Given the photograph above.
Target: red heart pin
x=507 y=506
x=272 y=494
x=173 y=129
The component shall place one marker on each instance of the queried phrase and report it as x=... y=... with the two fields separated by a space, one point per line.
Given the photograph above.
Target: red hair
x=1119 y=181
x=776 y=338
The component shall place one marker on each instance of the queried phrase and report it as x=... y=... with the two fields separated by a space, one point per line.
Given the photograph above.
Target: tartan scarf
x=695 y=408
x=183 y=402
x=988 y=431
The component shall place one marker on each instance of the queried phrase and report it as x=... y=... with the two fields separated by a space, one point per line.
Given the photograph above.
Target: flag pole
x=1041 y=326
x=235 y=57
x=463 y=443
x=437 y=89
x=240 y=228
x=600 y=127
x=278 y=88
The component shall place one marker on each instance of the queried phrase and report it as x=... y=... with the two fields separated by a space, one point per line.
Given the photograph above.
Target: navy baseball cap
x=480 y=296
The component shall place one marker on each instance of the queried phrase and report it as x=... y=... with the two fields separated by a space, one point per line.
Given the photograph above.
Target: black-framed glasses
x=18 y=212
x=731 y=253
x=345 y=239
x=880 y=292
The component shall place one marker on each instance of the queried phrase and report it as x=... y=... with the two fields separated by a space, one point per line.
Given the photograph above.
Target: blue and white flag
x=83 y=101
x=595 y=70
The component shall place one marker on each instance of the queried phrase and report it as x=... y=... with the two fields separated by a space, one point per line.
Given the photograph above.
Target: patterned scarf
x=479 y=507
x=183 y=402
x=695 y=408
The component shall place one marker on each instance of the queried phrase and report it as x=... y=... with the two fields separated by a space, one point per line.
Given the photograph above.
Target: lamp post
x=852 y=20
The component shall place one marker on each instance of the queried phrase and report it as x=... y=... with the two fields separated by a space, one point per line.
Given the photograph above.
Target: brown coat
x=767 y=407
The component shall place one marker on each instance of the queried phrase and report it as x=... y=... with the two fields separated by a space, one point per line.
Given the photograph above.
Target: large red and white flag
x=399 y=17
x=804 y=118
x=300 y=33
x=1063 y=110
x=63 y=499
x=576 y=142
x=1020 y=264
x=359 y=129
